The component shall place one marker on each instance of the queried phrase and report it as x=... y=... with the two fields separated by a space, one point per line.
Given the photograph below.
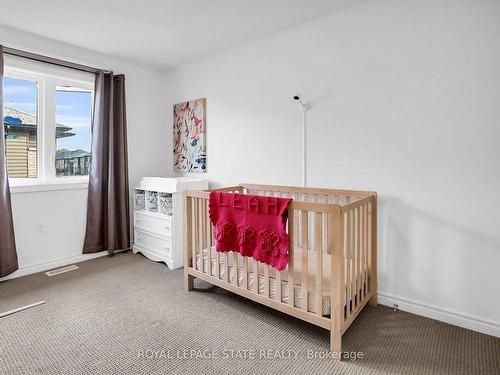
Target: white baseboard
x=53 y=263
x=442 y=314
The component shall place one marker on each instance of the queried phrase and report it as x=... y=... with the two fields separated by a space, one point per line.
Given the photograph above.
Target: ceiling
x=162 y=33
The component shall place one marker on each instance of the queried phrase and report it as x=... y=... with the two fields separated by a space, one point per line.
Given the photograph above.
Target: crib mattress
x=273 y=289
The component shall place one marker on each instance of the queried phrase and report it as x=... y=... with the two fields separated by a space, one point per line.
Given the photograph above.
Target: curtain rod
x=52 y=60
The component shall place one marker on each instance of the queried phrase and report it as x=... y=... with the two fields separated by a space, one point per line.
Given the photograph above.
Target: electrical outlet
x=41 y=229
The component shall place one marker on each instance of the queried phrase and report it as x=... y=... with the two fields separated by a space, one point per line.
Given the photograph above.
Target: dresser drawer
x=160 y=225
x=151 y=241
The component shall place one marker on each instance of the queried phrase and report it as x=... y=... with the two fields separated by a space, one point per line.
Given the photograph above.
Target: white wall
x=405 y=101
x=63 y=213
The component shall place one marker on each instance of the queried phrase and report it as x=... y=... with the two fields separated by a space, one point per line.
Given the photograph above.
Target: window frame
x=48 y=79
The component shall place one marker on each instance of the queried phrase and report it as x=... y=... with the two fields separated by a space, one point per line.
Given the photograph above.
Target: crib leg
x=188 y=282
x=336 y=344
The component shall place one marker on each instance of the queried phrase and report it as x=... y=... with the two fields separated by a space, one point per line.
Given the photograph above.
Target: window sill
x=18 y=187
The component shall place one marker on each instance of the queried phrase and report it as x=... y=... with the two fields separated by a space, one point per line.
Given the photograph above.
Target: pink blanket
x=251 y=225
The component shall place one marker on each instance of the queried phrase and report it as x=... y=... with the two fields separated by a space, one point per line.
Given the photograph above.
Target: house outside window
x=47 y=122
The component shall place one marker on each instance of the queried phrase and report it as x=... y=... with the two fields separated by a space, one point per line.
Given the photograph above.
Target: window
x=47 y=122
x=73 y=123
x=21 y=130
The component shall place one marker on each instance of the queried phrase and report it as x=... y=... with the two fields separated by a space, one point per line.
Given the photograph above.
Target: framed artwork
x=190 y=148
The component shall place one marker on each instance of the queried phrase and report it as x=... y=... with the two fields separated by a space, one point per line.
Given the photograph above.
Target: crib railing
x=332 y=246
x=358 y=225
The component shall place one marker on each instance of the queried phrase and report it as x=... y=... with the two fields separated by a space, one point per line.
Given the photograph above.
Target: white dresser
x=159 y=217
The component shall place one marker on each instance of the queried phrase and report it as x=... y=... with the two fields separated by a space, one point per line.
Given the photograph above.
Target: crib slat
x=291 y=255
x=345 y=232
x=349 y=259
x=324 y=232
x=206 y=231
x=305 y=246
x=370 y=237
x=255 y=276
x=203 y=231
x=353 y=262
x=346 y=255
x=366 y=248
x=212 y=234
x=191 y=235
x=354 y=273
x=295 y=222
x=208 y=234
x=362 y=267
x=318 y=229
x=235 y=264
x=278 y=286
x=362 y=251
x=235 y=268
x=356 y=258
x=326 y=225
x=195 y=234
x=278 y=274
x=245 y=273
x=199 y=234
x=217 y=264
x=267 y=285
x=226 y=266
x=266 y=281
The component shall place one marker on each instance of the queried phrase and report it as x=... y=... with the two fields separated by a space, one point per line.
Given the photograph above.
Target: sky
x=73 y=109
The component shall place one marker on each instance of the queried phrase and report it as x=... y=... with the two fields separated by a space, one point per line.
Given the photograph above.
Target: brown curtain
x=108 y=220
x=8 y=256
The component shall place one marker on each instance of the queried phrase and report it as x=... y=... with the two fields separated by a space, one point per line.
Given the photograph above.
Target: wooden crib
x=332 y=259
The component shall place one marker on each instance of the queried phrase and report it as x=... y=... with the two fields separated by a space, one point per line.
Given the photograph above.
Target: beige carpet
x=128 y=315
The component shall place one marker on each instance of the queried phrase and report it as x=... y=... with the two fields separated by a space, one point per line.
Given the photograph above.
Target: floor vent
x=61 y=270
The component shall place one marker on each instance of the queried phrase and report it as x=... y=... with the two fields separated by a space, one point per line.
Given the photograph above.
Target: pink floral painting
x=190 y=150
